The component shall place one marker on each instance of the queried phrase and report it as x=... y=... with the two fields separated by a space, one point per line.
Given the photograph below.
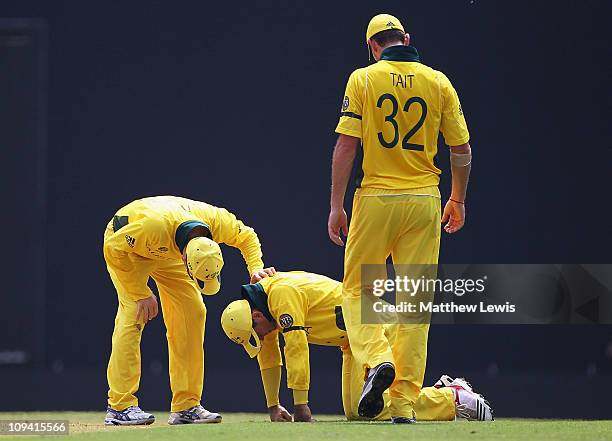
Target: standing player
x=305 y=309
x=174 y=241
x=395 y=108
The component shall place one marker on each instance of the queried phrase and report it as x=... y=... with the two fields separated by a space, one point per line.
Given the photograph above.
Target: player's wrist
x=300 y=397
x=458 y=197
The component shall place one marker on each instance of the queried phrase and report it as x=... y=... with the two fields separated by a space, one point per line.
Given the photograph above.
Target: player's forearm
x=271 y=379
x=235 y=233
x=297 y=360
x=342 y=164
x=300 y=397
x=250 y=248
x=461 y=167
x=253 y=257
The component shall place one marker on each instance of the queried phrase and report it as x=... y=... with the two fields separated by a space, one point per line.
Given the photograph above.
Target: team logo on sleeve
x=345 y=103
x=286 y=321
x=130 y=241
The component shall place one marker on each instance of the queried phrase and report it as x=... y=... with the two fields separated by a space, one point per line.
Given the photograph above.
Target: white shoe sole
x=448 y=381
x=178 y=421
x=462 y=383
x=116 y=422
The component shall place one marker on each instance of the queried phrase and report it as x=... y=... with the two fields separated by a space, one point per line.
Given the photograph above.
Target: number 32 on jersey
x=391 y=119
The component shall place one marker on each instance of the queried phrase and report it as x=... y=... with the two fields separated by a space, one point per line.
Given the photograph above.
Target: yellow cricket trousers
x=184 y=316
x=407 y=227
x=432 y=404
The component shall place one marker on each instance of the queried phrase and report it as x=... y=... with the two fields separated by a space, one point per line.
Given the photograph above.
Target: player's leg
x=185 y=317
x=368 y=242
x=352 y=385
x=123 y=371
x=372 y=230
x=435 y=404
x=409 y=343
x=349 y=401
x=419 y=243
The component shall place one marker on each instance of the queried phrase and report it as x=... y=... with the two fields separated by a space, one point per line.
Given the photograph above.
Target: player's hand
x=147 y=309
x=337 y=222
x=454 y=213
x=302 y=414
x=279 y=414
x=262 y=274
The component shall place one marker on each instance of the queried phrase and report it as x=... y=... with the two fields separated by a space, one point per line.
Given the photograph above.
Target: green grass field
x=255 y=427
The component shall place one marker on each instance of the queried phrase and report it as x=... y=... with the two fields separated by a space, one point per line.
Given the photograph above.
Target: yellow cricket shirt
x=397 y=107
x=157 y=228
x=307 y=309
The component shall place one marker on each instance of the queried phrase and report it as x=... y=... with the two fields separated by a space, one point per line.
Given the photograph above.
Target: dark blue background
x=235 y=104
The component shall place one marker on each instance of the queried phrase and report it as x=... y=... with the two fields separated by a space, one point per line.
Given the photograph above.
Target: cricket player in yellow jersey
x=305 y=308
x=395 y=109
x=175 y=241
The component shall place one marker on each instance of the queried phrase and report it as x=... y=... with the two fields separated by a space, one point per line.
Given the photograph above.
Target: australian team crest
x=285 y=320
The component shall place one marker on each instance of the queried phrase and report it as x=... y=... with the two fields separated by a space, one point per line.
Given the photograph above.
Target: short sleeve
x=352 y=106
x=452 y=124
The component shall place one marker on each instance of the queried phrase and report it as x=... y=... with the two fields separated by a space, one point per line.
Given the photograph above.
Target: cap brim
x=249 y=348
x=211 y=287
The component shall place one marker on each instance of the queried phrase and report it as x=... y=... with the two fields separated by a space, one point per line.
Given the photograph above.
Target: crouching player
x=175 y=241
x=305 y=308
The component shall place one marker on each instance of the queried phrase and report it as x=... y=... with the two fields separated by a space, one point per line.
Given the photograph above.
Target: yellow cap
x=382 y=22
x=204 y=263
x=237 y=324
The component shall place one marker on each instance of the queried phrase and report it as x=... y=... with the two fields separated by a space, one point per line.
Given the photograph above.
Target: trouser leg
x=123 y=373
x=371 y=232
x=418 y=244
x=185 y=317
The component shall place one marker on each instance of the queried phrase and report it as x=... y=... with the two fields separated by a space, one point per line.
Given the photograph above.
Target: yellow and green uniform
x=307 y=310
x=146 y=239
x=397 y=107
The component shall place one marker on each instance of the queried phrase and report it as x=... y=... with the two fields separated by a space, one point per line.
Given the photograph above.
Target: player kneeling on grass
x=305 y=308
x=175 y=241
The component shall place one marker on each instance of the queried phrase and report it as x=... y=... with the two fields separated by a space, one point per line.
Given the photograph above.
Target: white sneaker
x=195 y=415
x=132 y=416
x=468 y=404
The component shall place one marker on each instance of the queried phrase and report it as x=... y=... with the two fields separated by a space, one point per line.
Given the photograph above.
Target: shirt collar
x=257 y=298
x=183 y=230
x=400 y=53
